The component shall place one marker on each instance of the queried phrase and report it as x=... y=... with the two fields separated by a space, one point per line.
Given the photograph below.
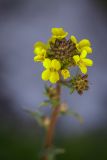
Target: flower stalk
x=53 y=120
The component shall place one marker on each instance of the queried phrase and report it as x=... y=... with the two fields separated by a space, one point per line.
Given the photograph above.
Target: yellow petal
x=83 y=68
x=73 y=39
x=55 y=64
x=38 y=58
x=54 y=77
x=65 y=73
x=40 y=51
x=58 y=33
x=88 y=49
x=54 y=31
x=83 y=54
x=47 y=63
x=76 y=58
x=46 y=74
x=87 y=62
x=40 y=44
x=52 y=39
x=84 y=42
x=37 y=50
x=40 y=48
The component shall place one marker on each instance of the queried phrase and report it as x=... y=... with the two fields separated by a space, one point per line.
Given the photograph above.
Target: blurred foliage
x=26 y=147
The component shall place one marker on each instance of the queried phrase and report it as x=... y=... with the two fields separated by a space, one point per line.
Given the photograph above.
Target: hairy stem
x=53 y=120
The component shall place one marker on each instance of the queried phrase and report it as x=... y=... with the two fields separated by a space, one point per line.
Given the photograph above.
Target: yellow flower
x=51 y=39
x=58 y=33
x=82 y=61
x=84 y=44
x=65 y=73
x=51 y=72
x=40 y=51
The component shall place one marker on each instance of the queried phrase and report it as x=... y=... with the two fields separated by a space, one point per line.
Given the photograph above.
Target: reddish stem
x=53 y=120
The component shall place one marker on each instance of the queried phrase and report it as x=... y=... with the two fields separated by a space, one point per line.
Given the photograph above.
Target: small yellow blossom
x=82 y=61
x=84 y=44
x=65 y=73
x=40 y=51
x=51 y=39
x=58 y=33
x=51 y=72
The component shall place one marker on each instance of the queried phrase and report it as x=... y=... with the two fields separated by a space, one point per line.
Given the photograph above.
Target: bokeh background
x=22 y=23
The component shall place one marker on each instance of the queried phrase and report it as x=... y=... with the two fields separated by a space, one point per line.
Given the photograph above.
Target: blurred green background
x=24 y=146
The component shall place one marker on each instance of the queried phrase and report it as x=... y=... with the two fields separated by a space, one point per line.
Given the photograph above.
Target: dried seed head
x=81 y=83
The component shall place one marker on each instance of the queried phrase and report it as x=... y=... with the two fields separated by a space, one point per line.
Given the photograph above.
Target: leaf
x=45 y=103
x=46 y=87
x=75 y=115
x=54 y=103
x=72 y=89
x=59 y=151
x=52 y=152
x=55 y=152
x=37 y=115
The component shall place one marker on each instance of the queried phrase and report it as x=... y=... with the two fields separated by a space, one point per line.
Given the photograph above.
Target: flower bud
x=45 y=121
x=63 y=108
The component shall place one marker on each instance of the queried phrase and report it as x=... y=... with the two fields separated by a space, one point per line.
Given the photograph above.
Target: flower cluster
x=59 y=54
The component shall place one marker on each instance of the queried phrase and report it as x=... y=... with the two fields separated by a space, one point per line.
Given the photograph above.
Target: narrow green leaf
x=52 y=152
x=45 y=103
x=76 y=115
x=72 y=90
x=37 y=115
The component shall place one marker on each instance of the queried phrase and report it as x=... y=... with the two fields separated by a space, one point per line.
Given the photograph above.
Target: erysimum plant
x=59 y=56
